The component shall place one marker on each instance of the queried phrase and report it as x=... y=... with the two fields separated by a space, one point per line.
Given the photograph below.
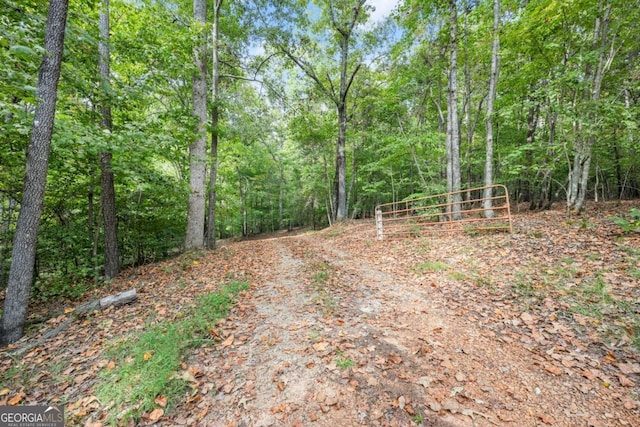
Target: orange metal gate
x=460 y=210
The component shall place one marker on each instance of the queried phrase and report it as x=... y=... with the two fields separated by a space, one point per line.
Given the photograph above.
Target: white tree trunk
x=493 y=82
x=453 y=127
x=579 y=175
x=215 y=113
x=194 y=238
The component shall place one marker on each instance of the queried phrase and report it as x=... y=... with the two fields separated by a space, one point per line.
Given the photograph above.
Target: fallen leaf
x=395 y=359
x=156 y=414
x=590 y=374
x=625 y=381
x=321 y=346
x=147 y=355
x=526 y=317
x=16 y=399
x=547 y=419
x=4 y=391
x=228 y=341
x=580 y=320
x=553 y=369
x=161 y=400
x=278 y=408
x=629 y=368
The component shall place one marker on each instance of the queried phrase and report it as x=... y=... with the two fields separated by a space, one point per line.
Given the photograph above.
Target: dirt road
x=330 y=337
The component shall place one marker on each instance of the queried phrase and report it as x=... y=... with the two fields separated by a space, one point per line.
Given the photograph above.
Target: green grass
x=343 y=362
x=147 y=364
x=432 y=266
x=458 y=275
x=321 y=275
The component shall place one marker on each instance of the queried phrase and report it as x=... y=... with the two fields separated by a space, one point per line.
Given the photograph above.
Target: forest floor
x=539 y=327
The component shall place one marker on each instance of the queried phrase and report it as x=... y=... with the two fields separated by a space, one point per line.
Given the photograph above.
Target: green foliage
x=432 y=266
x=631 y=224
x=344 y=362
x=147 y=365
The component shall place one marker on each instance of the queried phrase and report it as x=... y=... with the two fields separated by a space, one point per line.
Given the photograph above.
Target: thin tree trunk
x=215 y=116
x=194 y=238
x=23 y=255
x=341 y=161
x=453 y=134
x=343 y=32
x=493 y=82
x=107 y=188
x=579 y=176
x=243 y=203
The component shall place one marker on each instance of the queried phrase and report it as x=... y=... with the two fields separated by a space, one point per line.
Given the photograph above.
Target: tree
x=215 y=117
x=107 y=188
x=586 y=136
x=453 y=126
x=194 y=238
x=343 y=16
x=493 y=82
x=25 y=240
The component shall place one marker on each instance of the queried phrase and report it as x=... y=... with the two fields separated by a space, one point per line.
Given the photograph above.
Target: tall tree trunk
x=107 y=189
x=280 y=196
x=453 y=125
x=343 y=27
x=579 y=175
x=493 y=82
x=24 y=244
x=215 y=116
x=194 y=238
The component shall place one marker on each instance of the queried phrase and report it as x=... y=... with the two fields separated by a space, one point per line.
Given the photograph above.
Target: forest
x=180 y=123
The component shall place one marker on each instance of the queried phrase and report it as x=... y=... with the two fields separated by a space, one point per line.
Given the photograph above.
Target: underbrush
x=144 y=372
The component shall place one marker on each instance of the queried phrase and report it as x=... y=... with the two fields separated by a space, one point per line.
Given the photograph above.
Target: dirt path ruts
x=367 y=348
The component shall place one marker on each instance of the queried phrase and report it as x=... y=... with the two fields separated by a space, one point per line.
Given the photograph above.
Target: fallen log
x=100 y=304
x=117 y=299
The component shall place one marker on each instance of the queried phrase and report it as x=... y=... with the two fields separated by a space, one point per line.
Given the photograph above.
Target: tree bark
x=194 y=238
x=215 y=115
x=453 y=125
x=579 y=175
x=26 y=234
x=493 y=82
x=107 y=189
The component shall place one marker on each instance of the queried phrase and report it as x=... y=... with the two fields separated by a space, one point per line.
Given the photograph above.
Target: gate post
x=379 y=224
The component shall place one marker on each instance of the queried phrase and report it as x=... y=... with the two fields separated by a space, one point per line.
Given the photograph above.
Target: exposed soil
x=529 y=329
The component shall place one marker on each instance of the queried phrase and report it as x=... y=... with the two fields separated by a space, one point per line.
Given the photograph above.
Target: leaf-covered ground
x=540 y=327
